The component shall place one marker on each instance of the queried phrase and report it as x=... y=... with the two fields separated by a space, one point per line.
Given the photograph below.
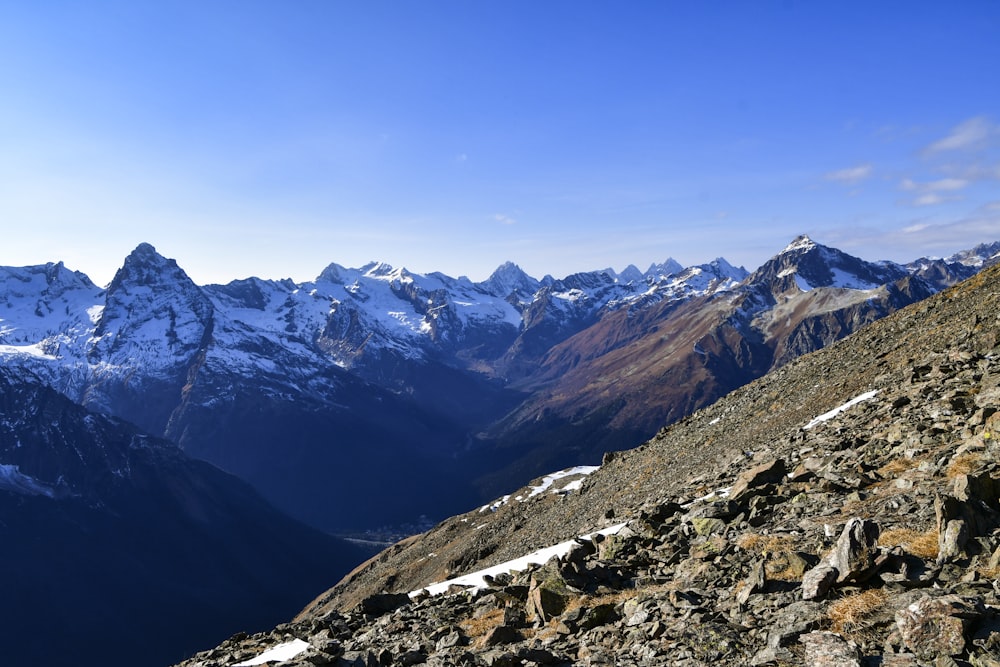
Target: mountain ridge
x=482 y=382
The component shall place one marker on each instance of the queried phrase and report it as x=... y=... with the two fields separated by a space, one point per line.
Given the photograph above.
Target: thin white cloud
x=929 y=199
x=973 y=134
x=504 y=219
x=918 y=237
x=929 y=193
x=851 y=175
x=942 y=185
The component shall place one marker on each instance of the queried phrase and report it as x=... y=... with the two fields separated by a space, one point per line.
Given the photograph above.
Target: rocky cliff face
x=842 y=510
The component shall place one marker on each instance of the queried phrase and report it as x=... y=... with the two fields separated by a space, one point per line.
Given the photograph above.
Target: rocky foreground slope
x=770 y=528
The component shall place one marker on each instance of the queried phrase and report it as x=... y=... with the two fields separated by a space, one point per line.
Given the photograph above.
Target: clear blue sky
x=272 y=138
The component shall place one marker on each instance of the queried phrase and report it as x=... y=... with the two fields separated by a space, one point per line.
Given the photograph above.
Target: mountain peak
x=145 y=266
x=374 y=268
x=509 y=278
x=801 y=242
x=667 y=268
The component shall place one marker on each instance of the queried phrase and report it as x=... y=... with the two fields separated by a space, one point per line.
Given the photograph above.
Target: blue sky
x=272 y=138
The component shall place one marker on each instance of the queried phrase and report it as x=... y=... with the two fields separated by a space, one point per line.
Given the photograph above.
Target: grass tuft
x=914 y=542
x=854 y=615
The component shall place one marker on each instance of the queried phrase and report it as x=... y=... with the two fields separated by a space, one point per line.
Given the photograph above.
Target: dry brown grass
x=963 y=464
x=476 y=629
x=896 y=466
x=854 y=615
x=761 y=544
x=923 y=544
x=986 y=571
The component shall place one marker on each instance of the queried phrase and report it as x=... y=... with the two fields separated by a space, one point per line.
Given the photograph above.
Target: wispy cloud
x=930 y=193
x=931 y=199
x=942 y=185
x=918 y=236
x=851 y=175
x=972 y=134
x=504 y=219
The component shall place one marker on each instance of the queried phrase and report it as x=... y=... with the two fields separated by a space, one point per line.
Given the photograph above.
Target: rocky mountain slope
x=841 y=510
x=441 y=389
x=117 y=549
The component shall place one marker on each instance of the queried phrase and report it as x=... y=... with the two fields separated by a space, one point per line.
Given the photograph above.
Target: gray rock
x=931 y=627
x=769 y=472
x=818 y=581
x=855 y=551
x=383 y=603
x=827 y=649
x=502 y=634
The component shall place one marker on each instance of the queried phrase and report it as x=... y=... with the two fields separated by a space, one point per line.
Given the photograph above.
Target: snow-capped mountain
x=412 y=377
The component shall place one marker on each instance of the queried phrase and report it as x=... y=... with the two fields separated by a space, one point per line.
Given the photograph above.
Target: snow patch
x=784 y=273
x=712 y=495
x=495 y=506
x=549 y=479
x=12 y=479
x=279 y=653
x=847 y=280
x=802 y=284
x=572 y=486
x=826 y=416
x=476 y=579
x=28 y=350
x=801 y=243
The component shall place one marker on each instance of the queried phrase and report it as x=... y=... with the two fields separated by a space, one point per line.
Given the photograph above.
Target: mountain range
x=379 y=378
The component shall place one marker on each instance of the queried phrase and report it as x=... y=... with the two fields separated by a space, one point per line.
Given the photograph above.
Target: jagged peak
x=508 y=271
x=802 y=242
x=722 y=268
x=508 y=278
x=333 y=273
x=631 y=274
x=667 y=267
x=378 y=269
x=145 y=266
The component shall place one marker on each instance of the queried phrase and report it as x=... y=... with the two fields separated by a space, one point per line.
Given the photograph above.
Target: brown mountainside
x=618 y=381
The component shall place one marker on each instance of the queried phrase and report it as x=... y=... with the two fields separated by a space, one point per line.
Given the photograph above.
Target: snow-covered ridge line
x=476 y=580
x=826 y=416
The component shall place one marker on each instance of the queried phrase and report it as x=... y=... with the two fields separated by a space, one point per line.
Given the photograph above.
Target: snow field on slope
x=476 y=580
x=547 y=482
x=279 y=653
x=827 y=416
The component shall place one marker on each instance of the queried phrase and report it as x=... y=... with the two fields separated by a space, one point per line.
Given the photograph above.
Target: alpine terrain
x=381 y=384
x=843 y=509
